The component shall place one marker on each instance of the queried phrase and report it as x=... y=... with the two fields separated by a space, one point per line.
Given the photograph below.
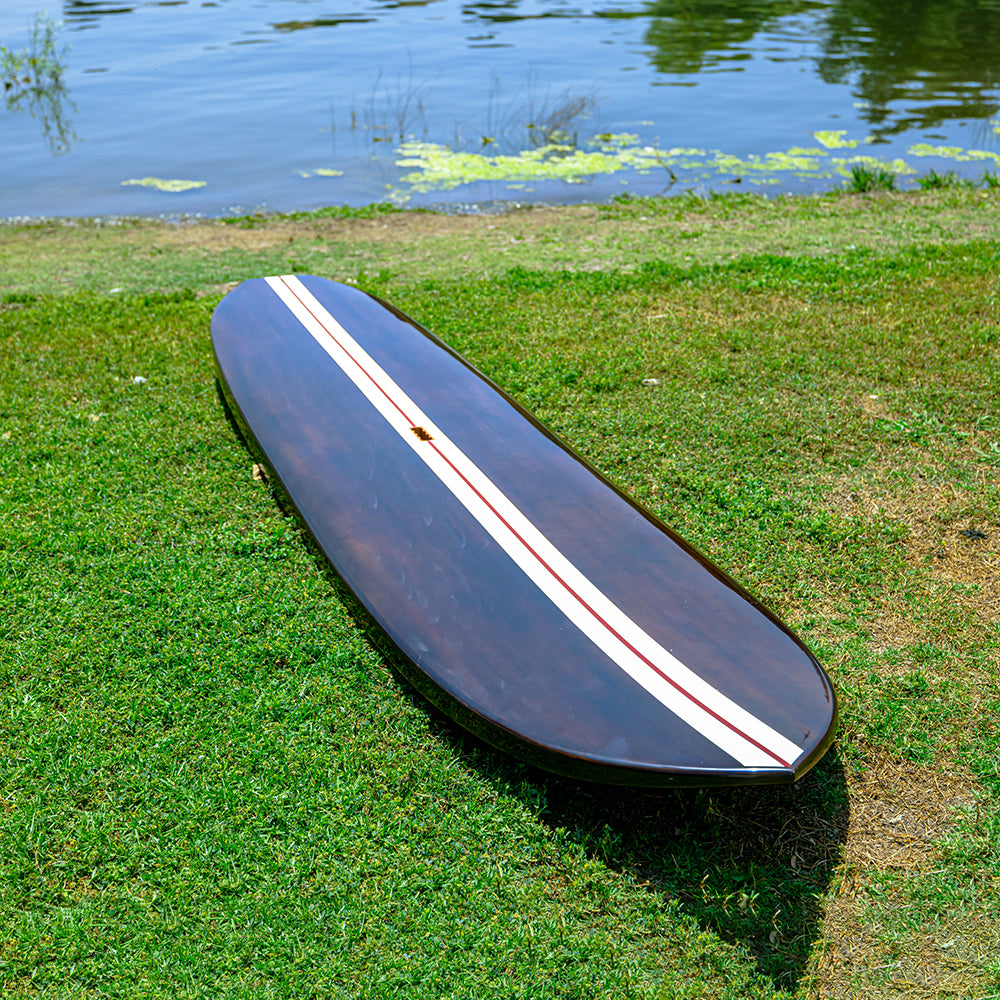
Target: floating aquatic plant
x=834 y=139
x=321 y=172
x=434 y=167
x=956 y=153
x=800 y=161
x=164 y=185
x=846 y=167
x=439 y=168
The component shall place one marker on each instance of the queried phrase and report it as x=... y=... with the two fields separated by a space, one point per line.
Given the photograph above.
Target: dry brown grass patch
x=401 y=228
x=899 y=812
x=955 y=550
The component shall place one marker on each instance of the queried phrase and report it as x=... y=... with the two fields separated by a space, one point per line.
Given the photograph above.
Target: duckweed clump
x=164 y=185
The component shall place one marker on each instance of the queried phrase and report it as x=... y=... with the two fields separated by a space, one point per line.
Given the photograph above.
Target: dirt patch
x=899 y=812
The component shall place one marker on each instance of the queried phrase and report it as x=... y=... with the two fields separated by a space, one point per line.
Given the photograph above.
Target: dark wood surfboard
x=530 y=599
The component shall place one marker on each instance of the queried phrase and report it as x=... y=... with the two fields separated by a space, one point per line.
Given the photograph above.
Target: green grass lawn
x=213 y=782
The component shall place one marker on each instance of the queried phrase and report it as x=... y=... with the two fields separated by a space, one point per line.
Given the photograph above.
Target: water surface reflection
x=915 y=63
x=290 y=103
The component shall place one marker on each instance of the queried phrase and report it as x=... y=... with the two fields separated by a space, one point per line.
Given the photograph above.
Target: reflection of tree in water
x=33 y=81
x=937 y=57
x=692 y=35
x=499 y=11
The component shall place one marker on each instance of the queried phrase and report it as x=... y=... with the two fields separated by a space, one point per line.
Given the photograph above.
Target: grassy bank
x=134 y=255
x=213 y=784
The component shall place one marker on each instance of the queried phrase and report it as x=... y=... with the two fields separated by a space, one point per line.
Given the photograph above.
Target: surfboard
x=528 y=597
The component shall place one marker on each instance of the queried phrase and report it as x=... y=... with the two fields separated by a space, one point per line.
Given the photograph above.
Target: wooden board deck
x=530 y=599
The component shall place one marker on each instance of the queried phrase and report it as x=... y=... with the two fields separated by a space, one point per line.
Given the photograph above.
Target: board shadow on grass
x=750 y=864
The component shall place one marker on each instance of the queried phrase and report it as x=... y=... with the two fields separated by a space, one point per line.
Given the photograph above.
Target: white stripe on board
x=703 y=707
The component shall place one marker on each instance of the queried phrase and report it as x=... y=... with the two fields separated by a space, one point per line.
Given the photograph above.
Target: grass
x=212 y=781
x=948 y=179
x=872 y=178
x=140 y=256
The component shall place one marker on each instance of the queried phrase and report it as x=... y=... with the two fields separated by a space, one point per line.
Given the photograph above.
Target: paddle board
x=529 y=598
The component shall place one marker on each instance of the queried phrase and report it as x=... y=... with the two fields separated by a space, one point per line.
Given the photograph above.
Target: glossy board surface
x=529 y=598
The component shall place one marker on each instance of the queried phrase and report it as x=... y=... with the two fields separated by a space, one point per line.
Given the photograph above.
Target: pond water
x=219 y=106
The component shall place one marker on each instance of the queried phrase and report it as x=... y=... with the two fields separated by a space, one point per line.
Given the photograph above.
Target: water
x=289 y=104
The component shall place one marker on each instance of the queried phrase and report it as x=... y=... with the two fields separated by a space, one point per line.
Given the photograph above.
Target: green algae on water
x=435 y=167
x=834 y=139
x=842 y=165
x=956 y=153
x=164 y=185
x=321 y=172
x=439 y=168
